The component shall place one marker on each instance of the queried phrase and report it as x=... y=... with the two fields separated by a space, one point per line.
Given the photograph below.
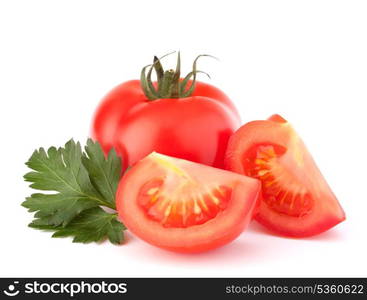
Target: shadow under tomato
x=251 y=247
x=242 y=250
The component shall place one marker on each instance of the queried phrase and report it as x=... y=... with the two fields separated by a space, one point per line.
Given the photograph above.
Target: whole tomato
x=175 y=116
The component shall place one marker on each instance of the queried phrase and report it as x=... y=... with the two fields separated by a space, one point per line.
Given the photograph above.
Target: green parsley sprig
x=82 y=183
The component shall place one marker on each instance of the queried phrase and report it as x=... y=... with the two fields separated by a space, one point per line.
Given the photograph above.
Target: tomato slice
x=184 y=206
x=296 y=199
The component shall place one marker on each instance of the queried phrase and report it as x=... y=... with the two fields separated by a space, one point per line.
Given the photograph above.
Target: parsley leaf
x=93 y=225
x=84 y=182
x=104 y=172
x=56 y=209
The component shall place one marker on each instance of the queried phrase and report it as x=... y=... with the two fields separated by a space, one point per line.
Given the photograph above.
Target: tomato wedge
x=184 y=206
x=296 y=199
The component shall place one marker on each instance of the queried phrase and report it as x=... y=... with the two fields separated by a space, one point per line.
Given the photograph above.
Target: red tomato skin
x=321 y=226
x=207 y=90
x=197 y=129
x=112 y=109
x=276 y=130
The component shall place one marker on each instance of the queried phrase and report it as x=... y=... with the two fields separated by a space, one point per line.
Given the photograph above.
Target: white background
x=306 y=60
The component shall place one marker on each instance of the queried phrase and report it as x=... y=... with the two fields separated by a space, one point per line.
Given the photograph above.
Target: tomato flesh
x=296 y=199
x=184 y=206
x=173 y=211
x=281 y=191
